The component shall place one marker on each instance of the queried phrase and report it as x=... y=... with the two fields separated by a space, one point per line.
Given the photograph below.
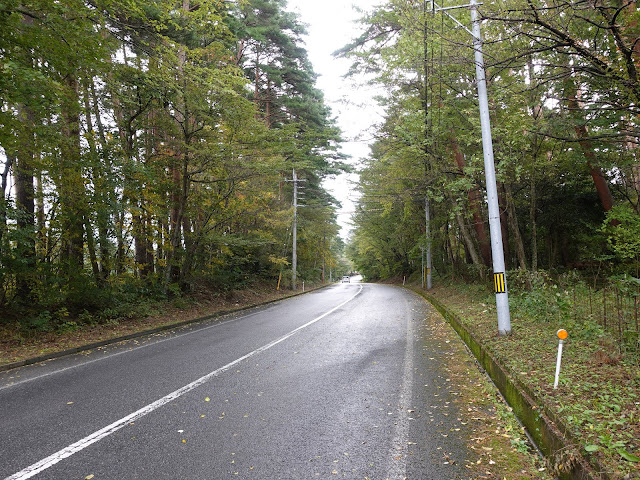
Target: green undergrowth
x=598 y=397
x=56 y=330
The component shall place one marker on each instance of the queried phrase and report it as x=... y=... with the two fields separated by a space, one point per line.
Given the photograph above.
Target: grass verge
x=497 y=444
x=598 y=397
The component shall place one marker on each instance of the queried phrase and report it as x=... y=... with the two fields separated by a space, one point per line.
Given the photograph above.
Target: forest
x=563 y=82
x=147 y=149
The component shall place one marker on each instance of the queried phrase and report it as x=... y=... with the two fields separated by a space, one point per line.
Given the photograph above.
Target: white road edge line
x=76 y=447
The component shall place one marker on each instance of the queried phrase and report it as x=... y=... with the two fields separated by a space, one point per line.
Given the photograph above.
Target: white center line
x=76 y=447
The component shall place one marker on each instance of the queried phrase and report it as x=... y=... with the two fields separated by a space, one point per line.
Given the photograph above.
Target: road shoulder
x=498 y=445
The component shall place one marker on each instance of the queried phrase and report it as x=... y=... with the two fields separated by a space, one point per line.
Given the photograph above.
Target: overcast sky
x=331 y=25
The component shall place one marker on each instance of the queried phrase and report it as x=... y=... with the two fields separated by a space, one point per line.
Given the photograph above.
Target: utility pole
x=294 y=229
x=324 y=247
x=499 y=276
x=294 y=256
x=427 y=215
x=422 y=278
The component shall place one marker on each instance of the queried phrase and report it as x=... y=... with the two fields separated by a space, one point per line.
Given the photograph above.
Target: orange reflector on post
x=562 y=336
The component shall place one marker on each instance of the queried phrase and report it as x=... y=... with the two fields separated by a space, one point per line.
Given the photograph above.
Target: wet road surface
x=338 y=383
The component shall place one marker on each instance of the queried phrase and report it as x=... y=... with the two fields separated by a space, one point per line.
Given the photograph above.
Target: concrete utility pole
x=499 y=277
x=427 y=214
x=497 y=251
x=422 y=269
x=294 y=256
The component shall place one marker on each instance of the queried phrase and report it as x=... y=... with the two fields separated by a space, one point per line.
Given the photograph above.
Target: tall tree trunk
x=515 y=229
x=179 y=172
x=471 y=248
x=91 y=247
x=152 y=147
x=602 y=187
x=104 y=214
x=138 y=231
x=190 y=248
x=23 y=169
x=4 y=180
x=160 y=253
x=150 y=261
x=533 y=224
x=126 y=142
x=143 y=246
x=71 y=181
x=537 y=114
x=25 y=204
x=97 y=180
x=448 y=248
x=256 y=89
x=175 y=227
x=267 y=107
x=41 y=227
x=120 y=243
x=504 y=224
x=138 y=200
x=475 y=206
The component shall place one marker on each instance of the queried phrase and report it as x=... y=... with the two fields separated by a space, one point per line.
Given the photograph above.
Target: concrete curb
x=30 y=361
x=550 y=435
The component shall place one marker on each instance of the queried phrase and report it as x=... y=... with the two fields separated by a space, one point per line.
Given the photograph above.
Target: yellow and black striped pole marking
x=498 y=280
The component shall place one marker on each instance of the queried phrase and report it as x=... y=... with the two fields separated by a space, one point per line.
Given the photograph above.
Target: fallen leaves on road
x=481 y=416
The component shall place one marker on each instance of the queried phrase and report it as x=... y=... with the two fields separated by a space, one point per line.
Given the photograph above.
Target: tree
x=134 y=161
x=557 y=126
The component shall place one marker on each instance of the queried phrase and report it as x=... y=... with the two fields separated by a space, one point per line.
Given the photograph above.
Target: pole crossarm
x=437 y=8
x=443 y=9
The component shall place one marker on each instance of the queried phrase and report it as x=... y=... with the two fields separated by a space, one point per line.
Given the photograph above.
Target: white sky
x=331 y=25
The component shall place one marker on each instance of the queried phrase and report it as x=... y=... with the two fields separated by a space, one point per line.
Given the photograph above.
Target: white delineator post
x=500 y=281
x=562 y=336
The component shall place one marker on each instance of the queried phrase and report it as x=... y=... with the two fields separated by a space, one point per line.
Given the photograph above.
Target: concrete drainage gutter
x=551 y=436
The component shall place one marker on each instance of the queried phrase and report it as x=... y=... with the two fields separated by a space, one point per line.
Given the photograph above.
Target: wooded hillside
x=145 y=147
x=563 y=80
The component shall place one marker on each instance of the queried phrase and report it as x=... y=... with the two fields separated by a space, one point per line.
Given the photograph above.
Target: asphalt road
x=338 y=383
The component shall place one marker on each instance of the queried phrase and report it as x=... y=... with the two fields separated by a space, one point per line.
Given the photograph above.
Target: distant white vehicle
x=346 y=279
